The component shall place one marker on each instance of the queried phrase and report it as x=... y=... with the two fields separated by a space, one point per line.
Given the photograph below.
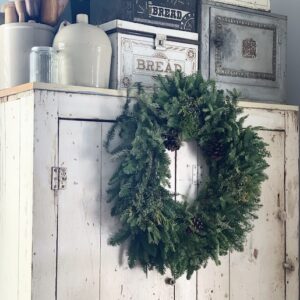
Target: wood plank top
x=267 y=105
x=247 y=103
x=61 y=88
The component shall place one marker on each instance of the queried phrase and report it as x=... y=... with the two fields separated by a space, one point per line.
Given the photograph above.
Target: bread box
x=141 y=52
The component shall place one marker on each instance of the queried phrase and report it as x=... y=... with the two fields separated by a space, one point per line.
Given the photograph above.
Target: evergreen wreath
x=162 y=233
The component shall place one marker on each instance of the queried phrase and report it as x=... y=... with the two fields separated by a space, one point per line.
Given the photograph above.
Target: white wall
x=291 y=8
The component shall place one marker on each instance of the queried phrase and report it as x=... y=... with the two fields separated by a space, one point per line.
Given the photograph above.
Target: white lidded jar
x=16 y=41
x=84 y=54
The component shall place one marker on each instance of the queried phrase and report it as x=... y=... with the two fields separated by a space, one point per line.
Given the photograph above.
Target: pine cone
x=172 y=140
x=197 y=226
x=216 y=150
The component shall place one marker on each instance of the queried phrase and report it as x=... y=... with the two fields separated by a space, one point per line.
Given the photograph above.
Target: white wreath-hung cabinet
x=55 y=221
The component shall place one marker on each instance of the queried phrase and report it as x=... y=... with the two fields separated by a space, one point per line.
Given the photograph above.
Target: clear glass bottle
x=43 y=65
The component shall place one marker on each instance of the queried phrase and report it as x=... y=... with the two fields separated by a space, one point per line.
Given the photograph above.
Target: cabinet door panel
x=78 y=260
x=186 y=190
x=88 y=268
x=257 y=273
x=117 y=280
x=213 y=281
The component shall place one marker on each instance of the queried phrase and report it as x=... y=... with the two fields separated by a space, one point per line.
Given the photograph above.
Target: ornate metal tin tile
x=249 y=49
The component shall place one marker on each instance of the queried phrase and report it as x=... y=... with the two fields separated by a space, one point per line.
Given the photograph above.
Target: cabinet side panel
x=26 y=195
x=292 y=204
x=44 y=202
x=9 y=199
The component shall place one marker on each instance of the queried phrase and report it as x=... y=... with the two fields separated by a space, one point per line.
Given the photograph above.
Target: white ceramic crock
x=16 y=41
x=84 y=54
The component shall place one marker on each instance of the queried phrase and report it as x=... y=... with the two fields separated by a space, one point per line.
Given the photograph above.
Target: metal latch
x=58 y=178
x=160 y=42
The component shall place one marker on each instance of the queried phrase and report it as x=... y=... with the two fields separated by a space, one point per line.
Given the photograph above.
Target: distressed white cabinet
x=53 y=234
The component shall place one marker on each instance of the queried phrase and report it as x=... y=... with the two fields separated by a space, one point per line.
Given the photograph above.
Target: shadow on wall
x=291 y=8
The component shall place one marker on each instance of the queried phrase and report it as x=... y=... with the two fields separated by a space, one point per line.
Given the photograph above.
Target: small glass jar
x=43 y=65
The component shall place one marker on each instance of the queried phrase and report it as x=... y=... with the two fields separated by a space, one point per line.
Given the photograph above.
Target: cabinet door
x=257 y=273
x=117 y=280
x=187 y=169
x=79 y=211
x=87 y=267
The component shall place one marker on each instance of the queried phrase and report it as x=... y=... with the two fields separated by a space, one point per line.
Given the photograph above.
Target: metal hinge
x=160 y=42
x=196 y=174
x=58 y=178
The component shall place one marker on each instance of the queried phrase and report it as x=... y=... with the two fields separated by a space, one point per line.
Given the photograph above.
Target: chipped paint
x=255 y=253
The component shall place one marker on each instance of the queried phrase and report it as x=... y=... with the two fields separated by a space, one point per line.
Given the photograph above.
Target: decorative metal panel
x=248 y=49
x=140 y=61
x=244 y=49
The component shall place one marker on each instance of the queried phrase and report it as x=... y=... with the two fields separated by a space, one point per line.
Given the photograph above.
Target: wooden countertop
x=120 y=93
